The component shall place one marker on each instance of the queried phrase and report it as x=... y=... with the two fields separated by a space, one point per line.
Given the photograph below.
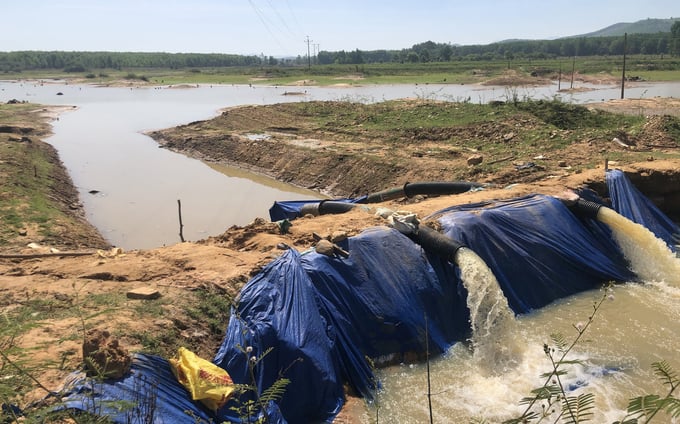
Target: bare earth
x=224 y=263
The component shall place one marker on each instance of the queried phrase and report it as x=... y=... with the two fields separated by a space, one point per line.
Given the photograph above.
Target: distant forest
x=661 y=43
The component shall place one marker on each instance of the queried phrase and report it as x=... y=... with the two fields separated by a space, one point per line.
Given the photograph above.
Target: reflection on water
x=102 y=146
x=235 y=172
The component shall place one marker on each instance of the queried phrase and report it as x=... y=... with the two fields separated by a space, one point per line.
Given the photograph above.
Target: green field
x=649 y=68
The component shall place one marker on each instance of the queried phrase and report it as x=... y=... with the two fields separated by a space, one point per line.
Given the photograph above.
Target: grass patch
x=212 y=308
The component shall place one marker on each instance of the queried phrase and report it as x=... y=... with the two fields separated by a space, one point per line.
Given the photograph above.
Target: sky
x=289 y=27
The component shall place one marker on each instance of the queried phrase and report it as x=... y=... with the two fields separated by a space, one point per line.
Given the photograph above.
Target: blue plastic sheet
x=536 y=247
x=333 y=313
x=278 y=310
x=629 y=202
x=150 y=393
x=380 y=297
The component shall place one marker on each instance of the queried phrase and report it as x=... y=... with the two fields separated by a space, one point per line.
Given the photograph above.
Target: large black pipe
x=412 y=189
x=435 y=242
x=585 y=208
x=326 y=207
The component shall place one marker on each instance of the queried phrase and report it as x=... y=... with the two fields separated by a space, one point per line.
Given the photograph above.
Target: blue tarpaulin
x=315 y=319
x=149 y=394
x=629 y=202
x=332 y=313
x=536 y=247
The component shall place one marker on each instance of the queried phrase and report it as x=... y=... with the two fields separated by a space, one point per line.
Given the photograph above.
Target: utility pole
x=316 y=53
x=309 y=58
x=623 y=74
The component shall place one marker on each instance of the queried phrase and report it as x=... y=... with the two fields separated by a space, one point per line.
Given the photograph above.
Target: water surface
x=102 y=144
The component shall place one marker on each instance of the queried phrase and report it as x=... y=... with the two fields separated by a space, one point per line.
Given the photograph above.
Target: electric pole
x=309 y=58
x=623 y=74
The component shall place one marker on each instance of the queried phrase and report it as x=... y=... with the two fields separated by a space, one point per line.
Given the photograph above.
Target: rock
x=144 y=293
x=562 y=164
x=338 y=236
x=103 y=356
x=650 y=159
x=23 y=232
x=509 y=136
x=475 y=160
x=325 y=247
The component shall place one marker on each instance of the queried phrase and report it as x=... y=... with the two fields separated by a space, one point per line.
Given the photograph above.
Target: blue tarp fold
x=150 y=393
x=537 y=249
x=629 y=202
x=278 y=309
x=290 y=209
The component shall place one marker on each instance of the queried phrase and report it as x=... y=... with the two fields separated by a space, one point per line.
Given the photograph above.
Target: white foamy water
x=650 y=258
x=491 y=319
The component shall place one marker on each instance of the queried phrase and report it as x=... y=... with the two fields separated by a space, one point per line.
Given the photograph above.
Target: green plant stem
x=661 y=402
x=27 y=374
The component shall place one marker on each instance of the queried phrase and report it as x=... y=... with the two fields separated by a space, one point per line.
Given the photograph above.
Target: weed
x=211 y=307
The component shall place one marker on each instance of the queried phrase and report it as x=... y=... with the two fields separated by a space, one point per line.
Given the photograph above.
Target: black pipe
x=412 y=189
x=435 y=242
x=438 y=187
x=389 y=194
x=326 y=207
x=585 y=208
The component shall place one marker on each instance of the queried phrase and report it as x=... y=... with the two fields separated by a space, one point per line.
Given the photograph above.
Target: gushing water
x=649 y=257
x=491 y=319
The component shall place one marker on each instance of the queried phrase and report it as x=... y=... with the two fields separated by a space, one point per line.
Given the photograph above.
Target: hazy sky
x=280 y=27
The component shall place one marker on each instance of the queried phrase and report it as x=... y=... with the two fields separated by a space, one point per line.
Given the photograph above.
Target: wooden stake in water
x=181 y=226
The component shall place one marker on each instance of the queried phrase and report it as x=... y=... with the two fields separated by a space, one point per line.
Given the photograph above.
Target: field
x=595 y=68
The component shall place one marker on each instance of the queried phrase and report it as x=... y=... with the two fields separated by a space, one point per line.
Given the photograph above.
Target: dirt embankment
x=32 y=176
x=348 y=155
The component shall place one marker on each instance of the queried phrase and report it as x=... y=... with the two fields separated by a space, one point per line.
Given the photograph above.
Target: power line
x=262 y=18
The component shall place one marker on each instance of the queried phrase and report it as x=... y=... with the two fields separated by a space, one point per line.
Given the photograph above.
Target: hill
x=645 y=26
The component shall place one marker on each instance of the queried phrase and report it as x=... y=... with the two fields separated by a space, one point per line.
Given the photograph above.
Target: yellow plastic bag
x=205 y=381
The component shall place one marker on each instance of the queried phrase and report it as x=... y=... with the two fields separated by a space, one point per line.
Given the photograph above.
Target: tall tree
x=675 y=38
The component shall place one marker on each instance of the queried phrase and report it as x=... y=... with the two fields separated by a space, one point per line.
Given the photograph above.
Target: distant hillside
x=645 y=26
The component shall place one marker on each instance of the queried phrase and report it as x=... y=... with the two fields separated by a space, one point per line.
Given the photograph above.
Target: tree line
x=661 y=43
x=84 y=61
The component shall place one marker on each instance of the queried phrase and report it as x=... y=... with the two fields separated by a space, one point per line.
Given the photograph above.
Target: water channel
x=102 y=144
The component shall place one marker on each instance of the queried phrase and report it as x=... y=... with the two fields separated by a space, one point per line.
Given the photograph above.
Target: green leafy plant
x=256 y=403
x=648 y=406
